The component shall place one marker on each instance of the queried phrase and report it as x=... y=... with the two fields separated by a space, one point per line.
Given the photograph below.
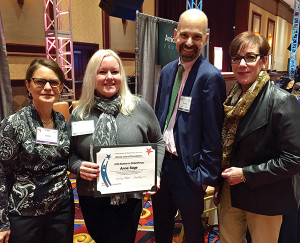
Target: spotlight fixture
x=124 y=9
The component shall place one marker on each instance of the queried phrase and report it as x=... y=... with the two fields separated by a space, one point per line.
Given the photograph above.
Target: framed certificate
x=125 y=169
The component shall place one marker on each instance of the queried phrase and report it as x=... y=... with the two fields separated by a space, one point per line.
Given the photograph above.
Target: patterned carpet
x=145 y=232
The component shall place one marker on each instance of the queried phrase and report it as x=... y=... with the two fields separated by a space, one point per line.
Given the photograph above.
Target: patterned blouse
x=33 y=176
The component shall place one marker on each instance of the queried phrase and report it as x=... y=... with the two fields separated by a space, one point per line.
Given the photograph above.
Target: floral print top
x=33 y=176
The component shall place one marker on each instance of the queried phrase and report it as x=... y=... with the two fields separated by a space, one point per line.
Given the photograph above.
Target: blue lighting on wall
x=294 y=45
x=194 y=4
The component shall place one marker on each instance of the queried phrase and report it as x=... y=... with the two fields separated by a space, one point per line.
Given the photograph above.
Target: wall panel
x=23 y=23
x=241 y=16
x=285 y=11
x=283 y=33
x=264 y=19
x=87 y=21
x=280 y=50
x=149 y=7
x=269 y=5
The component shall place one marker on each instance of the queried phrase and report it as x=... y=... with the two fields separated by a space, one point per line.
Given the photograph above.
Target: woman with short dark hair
x=261 y=148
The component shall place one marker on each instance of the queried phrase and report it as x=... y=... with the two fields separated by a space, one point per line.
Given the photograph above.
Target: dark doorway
x=82 y=54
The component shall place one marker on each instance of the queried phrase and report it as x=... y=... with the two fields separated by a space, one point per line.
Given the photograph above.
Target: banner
x=166 y=45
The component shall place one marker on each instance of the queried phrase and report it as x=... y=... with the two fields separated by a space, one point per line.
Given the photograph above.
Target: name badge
x=185 y=103
x=82 y=127
x=46 y=136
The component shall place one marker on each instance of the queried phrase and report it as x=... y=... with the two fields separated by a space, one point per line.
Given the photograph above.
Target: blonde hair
x=86 y=101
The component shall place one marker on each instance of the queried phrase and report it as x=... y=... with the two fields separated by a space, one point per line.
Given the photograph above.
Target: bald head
x=191 y=35
x=193 y=16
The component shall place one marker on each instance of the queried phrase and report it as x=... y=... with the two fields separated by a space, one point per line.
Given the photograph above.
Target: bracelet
x=243 y=178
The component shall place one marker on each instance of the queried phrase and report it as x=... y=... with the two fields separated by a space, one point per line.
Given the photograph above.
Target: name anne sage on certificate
x=125 y=169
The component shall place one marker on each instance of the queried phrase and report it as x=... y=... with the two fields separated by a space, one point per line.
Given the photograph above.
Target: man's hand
x=4 y=236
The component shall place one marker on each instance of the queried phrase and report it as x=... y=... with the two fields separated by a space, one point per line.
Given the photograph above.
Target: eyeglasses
x=249 y=58
x=40 y=82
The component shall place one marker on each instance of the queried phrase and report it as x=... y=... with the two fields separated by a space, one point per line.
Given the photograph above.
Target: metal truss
x=294 y=45
x=59 y=41
x=194 y=4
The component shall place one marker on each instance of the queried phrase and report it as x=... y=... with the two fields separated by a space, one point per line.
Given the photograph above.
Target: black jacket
x=267 y=147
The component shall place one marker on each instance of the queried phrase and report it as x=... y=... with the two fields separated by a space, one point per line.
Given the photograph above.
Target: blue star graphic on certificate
x=104 y=172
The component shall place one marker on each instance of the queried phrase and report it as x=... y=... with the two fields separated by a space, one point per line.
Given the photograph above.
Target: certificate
x=125 y=169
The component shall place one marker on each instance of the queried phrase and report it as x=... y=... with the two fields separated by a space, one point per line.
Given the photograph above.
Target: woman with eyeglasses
x=36 y=197
x=109 y=115
x=261 y=148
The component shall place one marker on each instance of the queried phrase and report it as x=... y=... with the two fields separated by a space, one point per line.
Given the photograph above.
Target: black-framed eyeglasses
x=41 y=82
x=249 y=58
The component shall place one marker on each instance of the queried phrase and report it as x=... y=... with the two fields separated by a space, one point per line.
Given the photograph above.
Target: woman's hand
x=217 y=196
x=233 y=175
x=89 y=171
x=4 y=236
x=157 y=185
x=158 y=182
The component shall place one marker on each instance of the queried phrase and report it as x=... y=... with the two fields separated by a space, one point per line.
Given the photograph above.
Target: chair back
x=63 y=108
x=74 y=103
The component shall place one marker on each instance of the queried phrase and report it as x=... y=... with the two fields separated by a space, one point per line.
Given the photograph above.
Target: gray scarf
x=106 y=130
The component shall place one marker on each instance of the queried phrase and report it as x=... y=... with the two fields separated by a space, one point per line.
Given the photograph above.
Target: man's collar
x=188 y=65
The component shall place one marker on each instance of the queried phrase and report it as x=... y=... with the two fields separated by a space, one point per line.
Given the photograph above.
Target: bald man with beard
x=192 y=131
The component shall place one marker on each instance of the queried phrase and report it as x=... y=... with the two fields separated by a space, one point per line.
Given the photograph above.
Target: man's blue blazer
x=197 y=133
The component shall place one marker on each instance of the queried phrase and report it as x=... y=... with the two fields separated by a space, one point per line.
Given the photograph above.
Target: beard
x=191 y=56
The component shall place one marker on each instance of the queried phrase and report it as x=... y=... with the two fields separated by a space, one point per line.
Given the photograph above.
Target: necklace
x=48 y=122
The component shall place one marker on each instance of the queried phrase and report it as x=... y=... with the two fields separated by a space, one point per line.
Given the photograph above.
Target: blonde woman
x=119 y=118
